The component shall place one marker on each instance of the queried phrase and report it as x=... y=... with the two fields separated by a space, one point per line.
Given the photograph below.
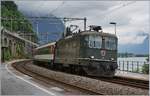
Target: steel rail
x=143 y=84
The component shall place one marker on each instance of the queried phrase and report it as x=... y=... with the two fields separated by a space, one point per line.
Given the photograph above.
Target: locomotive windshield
x=95 y=41
x=110 y=43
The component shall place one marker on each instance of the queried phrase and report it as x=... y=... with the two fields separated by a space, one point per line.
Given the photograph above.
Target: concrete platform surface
x=12 y=85
x=15 y=83
x=132 y=75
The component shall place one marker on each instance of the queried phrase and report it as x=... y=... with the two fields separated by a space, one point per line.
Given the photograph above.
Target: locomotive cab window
x=110 y=43
x=94 y=41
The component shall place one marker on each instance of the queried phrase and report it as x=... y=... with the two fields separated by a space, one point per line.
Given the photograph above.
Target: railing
x=131 y=66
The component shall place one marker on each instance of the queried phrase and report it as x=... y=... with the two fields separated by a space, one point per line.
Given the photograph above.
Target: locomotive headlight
x=91 y=57
x=112 y=59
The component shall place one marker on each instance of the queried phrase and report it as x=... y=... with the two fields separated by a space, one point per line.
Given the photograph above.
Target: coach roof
x=46 y=45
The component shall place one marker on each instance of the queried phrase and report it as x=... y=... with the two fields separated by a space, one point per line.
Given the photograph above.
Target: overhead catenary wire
x=106 y=14
x=54 y=10
x=51 y=13
x=111 y=11
x=115 y=9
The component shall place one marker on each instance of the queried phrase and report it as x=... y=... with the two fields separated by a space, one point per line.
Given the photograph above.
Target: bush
x=7 y=55
x=145 y=69
x=135 y=70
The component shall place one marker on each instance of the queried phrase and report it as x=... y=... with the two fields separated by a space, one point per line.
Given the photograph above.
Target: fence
x=131 y=66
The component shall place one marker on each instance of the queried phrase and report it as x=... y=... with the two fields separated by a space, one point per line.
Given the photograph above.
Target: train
x=89 y=52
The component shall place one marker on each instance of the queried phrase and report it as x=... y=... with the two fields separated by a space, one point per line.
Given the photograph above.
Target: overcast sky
x=132 y=17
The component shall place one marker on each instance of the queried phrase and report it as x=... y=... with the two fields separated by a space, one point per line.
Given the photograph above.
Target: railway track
x=129 y=82
x=21 y=67
x=125 y=81
x=143 y=84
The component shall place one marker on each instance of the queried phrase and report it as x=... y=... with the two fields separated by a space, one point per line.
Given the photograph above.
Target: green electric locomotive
x=88 y=52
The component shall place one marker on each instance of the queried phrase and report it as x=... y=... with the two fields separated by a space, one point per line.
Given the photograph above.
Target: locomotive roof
x=46 y=45
x=97 y=33
x=90 y=33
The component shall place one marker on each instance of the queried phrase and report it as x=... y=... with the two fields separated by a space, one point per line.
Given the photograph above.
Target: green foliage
x=7 y=55
x=9 y=5
x=145 y=69
x=28 y=56
x=19 y=51
x=147 y=59
x=19 y=24
x=136 y=70
x=9 y=10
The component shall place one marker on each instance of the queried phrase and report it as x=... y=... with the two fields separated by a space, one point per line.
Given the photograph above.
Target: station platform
x=132 y=75
x=15 y=83
x=11 y=85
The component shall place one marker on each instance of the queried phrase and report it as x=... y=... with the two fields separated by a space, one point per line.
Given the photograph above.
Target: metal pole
x=11 y=25
x=119 y=65
x=114 y=23
x=84 y=23
x=127 y=65
x=37 y=30
x=115 y=29
x=64 y=27
x=23 y=31
x=47 y=36
x=132 y=66
x=137 y=67
x=123 y=65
